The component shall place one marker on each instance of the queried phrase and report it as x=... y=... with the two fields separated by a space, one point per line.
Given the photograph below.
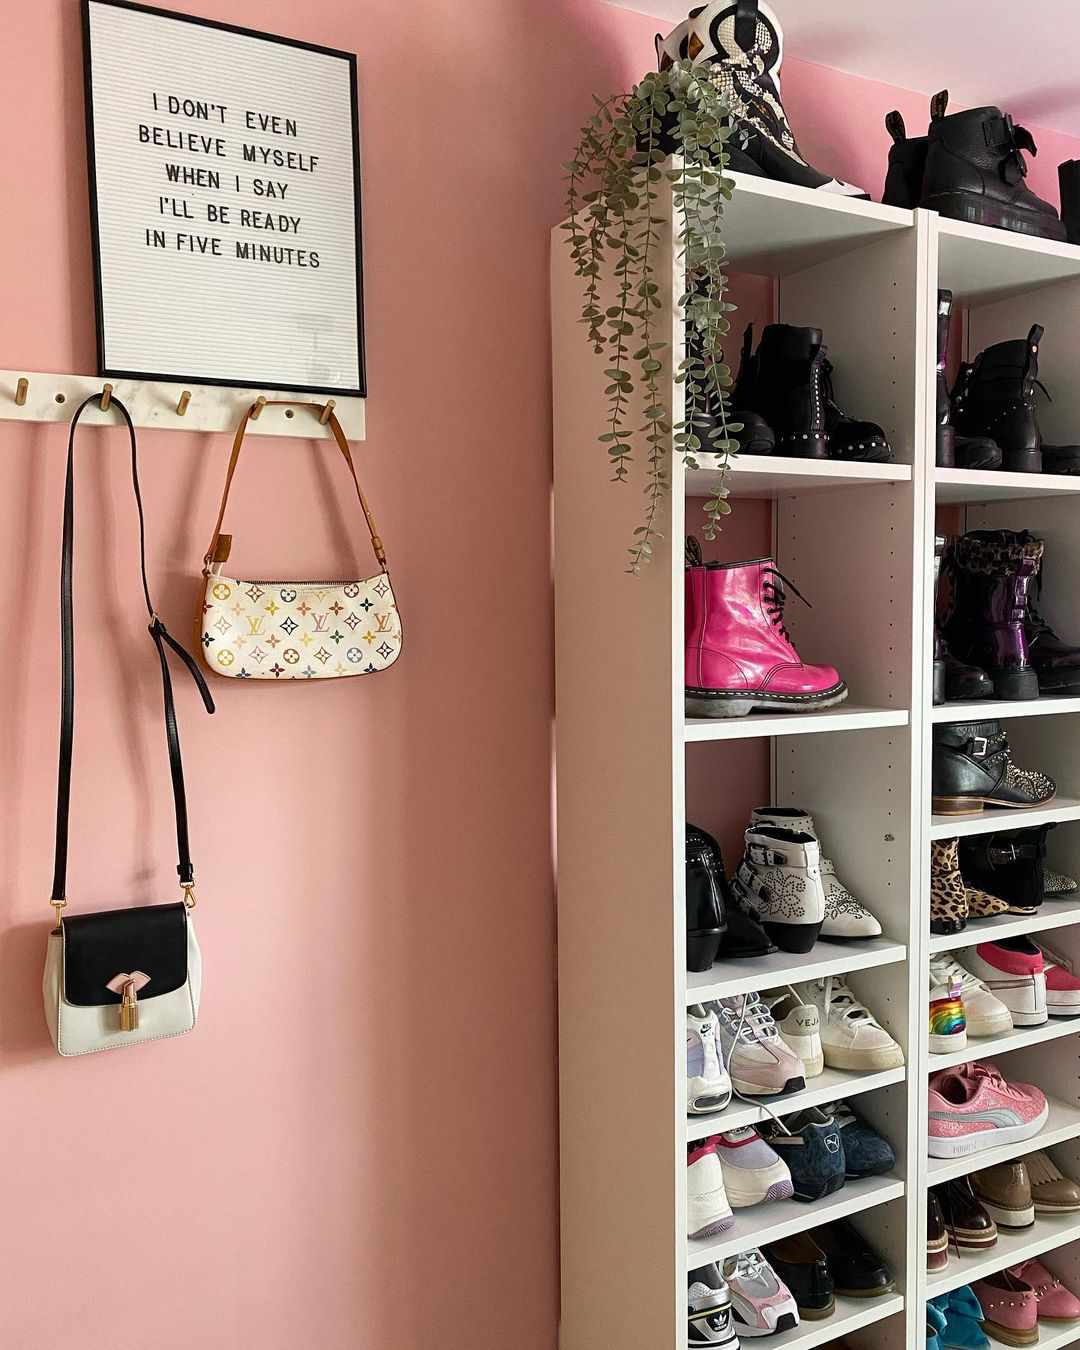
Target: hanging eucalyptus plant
x=613 y=186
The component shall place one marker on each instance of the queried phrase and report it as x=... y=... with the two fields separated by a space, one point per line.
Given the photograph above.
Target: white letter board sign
x=224 y=170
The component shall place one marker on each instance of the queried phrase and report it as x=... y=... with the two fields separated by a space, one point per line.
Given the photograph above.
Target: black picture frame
x=91 y=167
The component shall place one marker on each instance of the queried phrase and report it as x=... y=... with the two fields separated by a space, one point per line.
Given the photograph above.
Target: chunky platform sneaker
x=1009 y=864
x=707 y=1210
x=760 y=1300
x=851 y=1037
x=1056 y=1302
x=708 y=1084
x=780 y=875
x=972 y=768
x=948 y=1027
x=845 y=917
x=967 y=1224
x=1005 y=1192
x=753 y=1172
x=1009 y=1307
x=799 y=1025
x=1051 y=1190
x=994 y=571
x=1014 y=971
x=974 y=1108
x=809 y=1144
x=984 y=1012
x=800 y=1263
x=739 y=655
x=759 y=1062
x=743 y=46
x=709 y=1306
x=706 y=899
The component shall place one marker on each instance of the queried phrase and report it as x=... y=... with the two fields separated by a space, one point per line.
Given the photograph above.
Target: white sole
x=1002 y=1027
x=1067 y=1006
x=756 y=1190
x=887 y=1057
x=1009 y=1218
x=945 y=1045
x=804 y=1046
x=962 y=1145
x=1029 y=1019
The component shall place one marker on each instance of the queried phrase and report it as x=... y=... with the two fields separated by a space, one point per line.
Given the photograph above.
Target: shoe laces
x=774 y=594
x=948 y=971
x=839 y=998
x=753 y=1022
x=751 y=1265
x=986 y=1074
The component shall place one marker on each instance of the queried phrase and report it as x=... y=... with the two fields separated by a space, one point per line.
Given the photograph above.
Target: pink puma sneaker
x=973 y=1108
x=1056 y=1303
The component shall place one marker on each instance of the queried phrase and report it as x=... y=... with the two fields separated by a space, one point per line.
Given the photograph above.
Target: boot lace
x=774 y=594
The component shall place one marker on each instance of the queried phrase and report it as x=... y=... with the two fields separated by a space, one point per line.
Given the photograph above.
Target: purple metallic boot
x=994 y=572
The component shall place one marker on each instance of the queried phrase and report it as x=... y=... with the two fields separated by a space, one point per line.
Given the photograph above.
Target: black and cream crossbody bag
x=122 y=976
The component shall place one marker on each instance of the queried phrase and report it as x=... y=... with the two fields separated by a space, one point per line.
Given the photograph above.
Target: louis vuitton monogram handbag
x=297 y=630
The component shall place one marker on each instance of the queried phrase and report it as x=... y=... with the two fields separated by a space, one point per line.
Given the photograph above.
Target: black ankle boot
x=907 y=164
x=1009 y=864
x=743 y=45
x=975 y=171
x=970 y=452
x=851 y=438
x=972 y=768
x=999 y=401
x=789 y=391
x=706 y=899
x=954 y=680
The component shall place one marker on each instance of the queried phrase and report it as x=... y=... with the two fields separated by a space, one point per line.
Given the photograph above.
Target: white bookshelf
x=857 y=539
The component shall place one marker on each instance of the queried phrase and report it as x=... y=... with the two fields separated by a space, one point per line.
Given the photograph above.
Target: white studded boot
x=780 y=875
x=845 y=917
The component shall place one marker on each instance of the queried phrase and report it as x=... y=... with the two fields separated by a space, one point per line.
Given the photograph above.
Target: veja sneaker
x=707 y=1208
x=948 y=1028
x=1052 y=1191
x=709 y=1305
x=760 y=1300
x=1062 y=986
x=1014 y=972
x=845 y=917
x=799 y=1025
x=1056 y=1302
x=780 y=875
x=759 y=1062
x=851 y=1037
x=984 y=1012
x=753 y=1172
x=973 y=1108
x=708 y=1085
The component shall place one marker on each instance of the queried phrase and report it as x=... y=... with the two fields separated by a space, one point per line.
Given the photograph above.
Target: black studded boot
x=851 y=438
x=969 y=452
x=955 y=681
x=999 y=401
x=975 y=171
x=993 y=572
x=789 y=391
x=972 y=768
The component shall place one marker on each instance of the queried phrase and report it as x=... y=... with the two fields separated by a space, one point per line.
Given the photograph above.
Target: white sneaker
x=845 y=917
x=851 y=1037
x=948 y=1029
x=780 y=875
x=708 y=1085
x=799 y=1025
x=759 y=1061
x=761 y=1301
x=984 y=1012
x=707 y=1208
x=1013 y=971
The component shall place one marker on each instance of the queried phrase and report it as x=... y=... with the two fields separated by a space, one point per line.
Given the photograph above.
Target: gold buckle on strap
x=59 y=906
x=188 y=887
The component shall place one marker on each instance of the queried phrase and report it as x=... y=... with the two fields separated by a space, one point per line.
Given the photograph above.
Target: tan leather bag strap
x=221 y=544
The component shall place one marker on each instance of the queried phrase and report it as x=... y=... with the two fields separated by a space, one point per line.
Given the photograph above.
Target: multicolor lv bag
x=295 y=630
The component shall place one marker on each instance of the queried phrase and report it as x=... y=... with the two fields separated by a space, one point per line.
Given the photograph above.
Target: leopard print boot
x=948 y=902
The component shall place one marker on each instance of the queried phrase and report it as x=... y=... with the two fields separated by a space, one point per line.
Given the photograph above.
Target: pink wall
x=356 y=1148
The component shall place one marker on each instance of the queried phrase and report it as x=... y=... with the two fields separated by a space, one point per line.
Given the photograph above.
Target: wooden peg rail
x=29 y=396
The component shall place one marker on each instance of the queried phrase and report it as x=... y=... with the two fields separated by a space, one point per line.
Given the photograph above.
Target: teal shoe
x=963 y=1316
x=935 y=1325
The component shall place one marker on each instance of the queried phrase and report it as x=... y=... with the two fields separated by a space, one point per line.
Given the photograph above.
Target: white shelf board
x=752 y=974
x=994 y=485
x=829 y=1086
x=1002 y=818
x=1011 y=1248
x=1062 y=1122
x=775 y=228
x=769 y=476
x=1055 y=1337
x=1052 y=914
x=987 y=1047
x=977 y=262
x=846 y=717
x=984 y=710
x=777 y=1219
x=850 y=1314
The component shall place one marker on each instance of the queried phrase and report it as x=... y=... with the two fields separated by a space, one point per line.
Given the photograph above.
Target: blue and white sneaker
x=810 y=1144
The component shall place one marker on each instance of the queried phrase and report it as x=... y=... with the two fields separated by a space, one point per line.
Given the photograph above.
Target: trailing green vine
x=613 y=196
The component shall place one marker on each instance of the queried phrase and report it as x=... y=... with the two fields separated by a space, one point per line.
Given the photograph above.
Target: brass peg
x=184 y=400
x=328 y=408
x=21 y=390
x=260 y=404
x=106 y=396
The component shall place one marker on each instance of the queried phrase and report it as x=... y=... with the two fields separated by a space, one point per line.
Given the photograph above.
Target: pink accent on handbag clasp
x=128 y=985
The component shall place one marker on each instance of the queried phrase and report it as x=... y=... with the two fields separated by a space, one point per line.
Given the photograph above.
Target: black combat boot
x=954 y=680
x=969 y=452
x=994 y=571
x=975 y=170
x=788 y=390
x=756 y=436
x=851 y=438
x=1056 y=662
x=907 y=164
x=998 y=400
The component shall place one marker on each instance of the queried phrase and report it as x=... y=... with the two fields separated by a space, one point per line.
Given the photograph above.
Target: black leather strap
x=161 y=639
x=746 y=17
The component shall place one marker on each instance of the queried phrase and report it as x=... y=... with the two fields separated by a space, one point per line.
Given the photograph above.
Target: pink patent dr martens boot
x=739 y=656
